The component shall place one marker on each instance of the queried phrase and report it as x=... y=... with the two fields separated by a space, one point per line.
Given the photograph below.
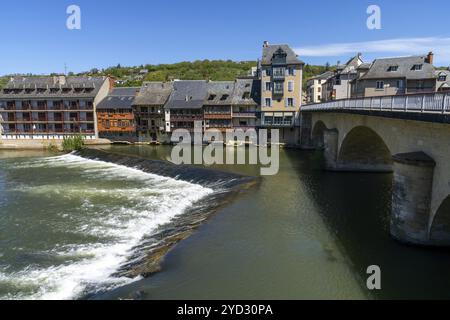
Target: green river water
x=67 y=224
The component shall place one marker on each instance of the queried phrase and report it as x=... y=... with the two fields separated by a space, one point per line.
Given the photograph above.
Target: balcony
x=186 y=117
x=225 y=116
x=244 y=115
x=279 y=74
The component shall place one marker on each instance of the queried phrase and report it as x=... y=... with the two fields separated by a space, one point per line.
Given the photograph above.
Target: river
x=67 y=224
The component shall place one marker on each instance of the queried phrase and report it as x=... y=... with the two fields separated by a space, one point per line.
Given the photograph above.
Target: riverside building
x=45 y=108
x=116 y=121
x=148 y=108
x=281 y=75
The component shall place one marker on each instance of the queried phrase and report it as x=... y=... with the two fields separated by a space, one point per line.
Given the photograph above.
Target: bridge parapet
x=413 y=103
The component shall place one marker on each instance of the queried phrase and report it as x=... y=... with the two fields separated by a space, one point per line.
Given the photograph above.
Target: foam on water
x=88 y=267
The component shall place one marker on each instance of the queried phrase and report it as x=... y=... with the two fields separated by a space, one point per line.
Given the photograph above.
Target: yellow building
x=281 y=75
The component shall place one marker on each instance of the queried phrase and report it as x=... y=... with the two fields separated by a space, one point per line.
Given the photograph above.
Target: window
x=400 y=84
x=289 y=102
x=278 y=120
x=290 y=86
x=278 y=72
x=420 y=85
x=291 y=71
x=380 y=85
x=417 y=67
x=212 y=97
x=278 y=87
x=267 y=71
x=224 y=97
x=442 y=78
x=268 y=102
x=268 y=86
x=393 y=69
x=338 y=80
x=319 y=89
x=246 y=95
x=288 y=120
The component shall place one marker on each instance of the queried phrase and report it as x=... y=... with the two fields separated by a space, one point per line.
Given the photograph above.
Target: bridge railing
x=430 y=103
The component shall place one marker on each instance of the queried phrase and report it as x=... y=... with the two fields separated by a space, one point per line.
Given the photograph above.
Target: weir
x=209 y=178
x=147 y=257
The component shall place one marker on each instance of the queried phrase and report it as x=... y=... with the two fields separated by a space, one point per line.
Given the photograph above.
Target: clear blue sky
x=35 y=39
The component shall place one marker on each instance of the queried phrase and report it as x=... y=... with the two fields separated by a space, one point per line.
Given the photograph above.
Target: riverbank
x=27 y=144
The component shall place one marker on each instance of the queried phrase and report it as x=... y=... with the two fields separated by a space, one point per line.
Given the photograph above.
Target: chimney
x=266 y=44
x=62 y=80
x=430 y=57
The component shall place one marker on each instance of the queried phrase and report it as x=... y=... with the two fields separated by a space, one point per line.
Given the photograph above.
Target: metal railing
x=429 y=103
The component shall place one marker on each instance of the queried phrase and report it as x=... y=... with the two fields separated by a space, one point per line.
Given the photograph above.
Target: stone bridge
x=406 y=135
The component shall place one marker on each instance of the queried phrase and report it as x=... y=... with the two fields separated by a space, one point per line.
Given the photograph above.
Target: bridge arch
x=440 y=227
x=318 y=133
x=363 y=149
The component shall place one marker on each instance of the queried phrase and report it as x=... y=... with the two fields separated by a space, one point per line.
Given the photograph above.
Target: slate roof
x=324 y=76
x=52 y=87
x=268 y=52
x=380 y=67
x=242 y=87
x=219 y=93
x=188 y=94
x=118 y=98
x=153 y=94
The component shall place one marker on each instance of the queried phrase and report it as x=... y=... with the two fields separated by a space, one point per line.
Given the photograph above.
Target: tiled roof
x=219 y=93
x=247 y=92
x=52 y=87
x=154 y=94
x=119 y=98
x=188 y=94
x=269 y=51
x=404 y=65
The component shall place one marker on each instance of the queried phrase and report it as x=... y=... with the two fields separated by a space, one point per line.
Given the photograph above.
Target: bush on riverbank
x=73 y=143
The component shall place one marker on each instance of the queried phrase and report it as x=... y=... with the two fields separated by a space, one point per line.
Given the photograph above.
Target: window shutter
x=294 y=71
x=286 y=102
x=295 y=102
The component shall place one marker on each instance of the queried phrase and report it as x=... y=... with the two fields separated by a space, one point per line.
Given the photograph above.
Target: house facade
x=45 y=108
x=185 y=105
x=115 y=116
x=399 y=76
x=314 y=87
x=217 y=105
x=281 y=89
x=339 y=86
x=148 y=108
x=245 y=103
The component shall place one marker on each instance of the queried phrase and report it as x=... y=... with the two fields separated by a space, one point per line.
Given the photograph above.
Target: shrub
x=75 y=143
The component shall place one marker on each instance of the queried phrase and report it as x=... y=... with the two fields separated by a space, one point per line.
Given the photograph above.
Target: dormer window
x=246 y=96
x=442 y=78
x=224 y=97
x=393 y=69
x=212 y=97
x=417 y=67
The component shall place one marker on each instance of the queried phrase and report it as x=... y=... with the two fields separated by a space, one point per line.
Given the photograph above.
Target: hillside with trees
x=216 y=70
x=3 y=81
x=310 y=71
